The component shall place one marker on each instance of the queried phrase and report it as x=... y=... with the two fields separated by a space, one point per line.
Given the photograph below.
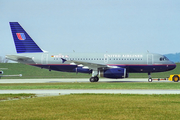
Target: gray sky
x=120 y=26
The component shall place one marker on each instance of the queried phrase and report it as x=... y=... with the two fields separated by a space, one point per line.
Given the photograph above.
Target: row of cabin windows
x=99 y=58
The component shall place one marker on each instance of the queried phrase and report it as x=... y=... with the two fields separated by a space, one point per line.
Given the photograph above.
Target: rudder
x=23 y=42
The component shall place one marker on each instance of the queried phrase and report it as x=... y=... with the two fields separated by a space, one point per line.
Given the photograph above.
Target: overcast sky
x=98 y=26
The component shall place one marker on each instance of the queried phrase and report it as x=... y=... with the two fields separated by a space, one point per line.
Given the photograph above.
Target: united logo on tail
x=21 y=36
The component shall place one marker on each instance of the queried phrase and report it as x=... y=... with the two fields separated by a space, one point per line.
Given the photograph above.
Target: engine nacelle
x=1 y=72
x=113 y=73
x=82 y=70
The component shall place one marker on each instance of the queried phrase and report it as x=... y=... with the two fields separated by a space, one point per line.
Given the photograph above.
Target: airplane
x=1 y=72
x=108 y=65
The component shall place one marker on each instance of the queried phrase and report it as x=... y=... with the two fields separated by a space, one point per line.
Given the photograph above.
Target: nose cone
x=172 y=66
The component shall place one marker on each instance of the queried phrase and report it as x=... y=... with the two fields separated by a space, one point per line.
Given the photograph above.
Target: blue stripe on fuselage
x=56 y=67
x=130 y=68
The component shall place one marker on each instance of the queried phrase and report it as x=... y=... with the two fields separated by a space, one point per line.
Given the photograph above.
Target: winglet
x=63 y=60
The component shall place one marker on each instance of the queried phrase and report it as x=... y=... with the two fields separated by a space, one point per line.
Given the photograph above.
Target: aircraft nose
x=172 y=65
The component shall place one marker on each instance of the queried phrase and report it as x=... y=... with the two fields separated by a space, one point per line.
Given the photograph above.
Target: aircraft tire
x=91 y=79
x=175 y=78
x=94 y=79
x=150 y=80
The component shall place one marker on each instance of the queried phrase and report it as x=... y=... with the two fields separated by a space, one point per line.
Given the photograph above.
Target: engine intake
x=114 y=73
x=82 y=70
x=1 y=72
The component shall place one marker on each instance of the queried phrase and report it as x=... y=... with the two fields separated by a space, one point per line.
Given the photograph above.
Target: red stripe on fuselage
x=138 y=64
x=113 y=64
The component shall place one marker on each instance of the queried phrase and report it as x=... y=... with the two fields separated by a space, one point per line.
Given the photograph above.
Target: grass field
x=93 y=107
x=123 y=85
x=35 y=72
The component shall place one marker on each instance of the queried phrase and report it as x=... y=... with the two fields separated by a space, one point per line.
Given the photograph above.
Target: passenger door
x=44 y=59
x=149 y=59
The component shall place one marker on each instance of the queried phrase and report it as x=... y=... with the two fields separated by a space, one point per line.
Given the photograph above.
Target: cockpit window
x=166 y=58
x=163 y=58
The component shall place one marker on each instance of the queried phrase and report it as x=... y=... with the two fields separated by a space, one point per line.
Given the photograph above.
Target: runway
x=75 y=91
x=75 y=80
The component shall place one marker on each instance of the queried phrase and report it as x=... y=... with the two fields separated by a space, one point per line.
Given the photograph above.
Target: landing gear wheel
x=175 y=78
x=150 y=80
x=91 y=79
x=94 y=79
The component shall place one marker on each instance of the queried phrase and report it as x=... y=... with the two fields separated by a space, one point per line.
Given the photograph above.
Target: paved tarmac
x=101 y=91
x=75 y=80
x=68 y=91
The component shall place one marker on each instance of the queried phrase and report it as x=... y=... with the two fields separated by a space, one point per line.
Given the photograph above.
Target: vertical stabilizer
x=23 y=42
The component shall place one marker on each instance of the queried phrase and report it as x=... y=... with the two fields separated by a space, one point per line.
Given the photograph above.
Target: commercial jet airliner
x=1 y=72
x=108 y=65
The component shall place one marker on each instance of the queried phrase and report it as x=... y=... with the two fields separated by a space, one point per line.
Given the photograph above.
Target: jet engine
x=113 y=73
x=1 y=72
x=82 y=70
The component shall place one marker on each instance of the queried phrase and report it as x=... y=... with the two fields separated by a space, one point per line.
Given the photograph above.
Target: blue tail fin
x=23 y=42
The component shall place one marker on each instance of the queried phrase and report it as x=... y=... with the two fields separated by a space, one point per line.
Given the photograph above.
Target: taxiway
x=75 y=80
x=82 y=91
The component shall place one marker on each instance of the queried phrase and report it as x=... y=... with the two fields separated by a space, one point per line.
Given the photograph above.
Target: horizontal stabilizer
x=17 y=57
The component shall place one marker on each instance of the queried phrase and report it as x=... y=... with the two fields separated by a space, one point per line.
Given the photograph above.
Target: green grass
x=35 y=72
x=93 y=107
x=119 y=85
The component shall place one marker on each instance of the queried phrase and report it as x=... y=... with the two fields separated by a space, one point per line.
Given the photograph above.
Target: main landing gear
x=149 y=79
x=94 y=79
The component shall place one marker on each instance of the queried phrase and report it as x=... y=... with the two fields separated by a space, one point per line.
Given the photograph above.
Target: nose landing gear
x=149 y=79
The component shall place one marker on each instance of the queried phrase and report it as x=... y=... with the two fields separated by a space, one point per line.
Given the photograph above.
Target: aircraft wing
x=20 y=75
x=17 y=57
x=89 y=64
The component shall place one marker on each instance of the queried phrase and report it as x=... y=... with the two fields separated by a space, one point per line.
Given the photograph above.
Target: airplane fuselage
x=134 y=63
